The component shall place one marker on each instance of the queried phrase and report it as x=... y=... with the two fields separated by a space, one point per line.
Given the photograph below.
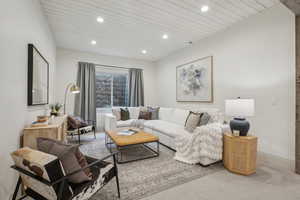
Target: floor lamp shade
x=239 y=109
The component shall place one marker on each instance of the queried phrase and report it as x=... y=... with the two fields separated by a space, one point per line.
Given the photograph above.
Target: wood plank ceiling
x=133 y=25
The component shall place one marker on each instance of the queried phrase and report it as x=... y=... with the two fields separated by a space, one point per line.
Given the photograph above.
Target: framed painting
x=194 y=81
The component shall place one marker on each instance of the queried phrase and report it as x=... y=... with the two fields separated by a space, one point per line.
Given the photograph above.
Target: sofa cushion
x=167 y=128
x=126 y=123
x=179 y=116
x=134 y=112
x=165 y=113
x=117 y=113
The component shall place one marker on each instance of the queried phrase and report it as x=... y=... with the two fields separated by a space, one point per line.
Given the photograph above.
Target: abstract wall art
x=194 y=81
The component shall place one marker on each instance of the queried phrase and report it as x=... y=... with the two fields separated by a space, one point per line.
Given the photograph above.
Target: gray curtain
x=136 y=87
x=85 y=101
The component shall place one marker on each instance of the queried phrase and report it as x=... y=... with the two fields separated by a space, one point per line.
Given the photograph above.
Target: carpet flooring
x=145 y=177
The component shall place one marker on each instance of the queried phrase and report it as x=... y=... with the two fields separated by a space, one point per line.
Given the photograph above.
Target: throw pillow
x=154 y=112
x=204 y=119
x=81 y=122
x=76 y=122
x=73 y=123
x=145 y=115
x=192 y=121
x=124 y=114
x=144 y=109
x=70 y=156
x=117 y=113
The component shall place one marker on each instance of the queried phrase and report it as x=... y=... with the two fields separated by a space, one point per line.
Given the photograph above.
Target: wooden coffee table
x=140 y=138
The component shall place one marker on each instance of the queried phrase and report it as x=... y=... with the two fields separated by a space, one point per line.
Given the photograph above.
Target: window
x=111 y=87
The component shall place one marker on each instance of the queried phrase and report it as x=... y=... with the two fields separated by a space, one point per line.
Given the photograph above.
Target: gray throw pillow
x=67 y=155
x=154 y=112
x=204 y=119
x=192 y=121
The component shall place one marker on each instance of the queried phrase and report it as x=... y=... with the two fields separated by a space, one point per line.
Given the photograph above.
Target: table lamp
x=239 y=109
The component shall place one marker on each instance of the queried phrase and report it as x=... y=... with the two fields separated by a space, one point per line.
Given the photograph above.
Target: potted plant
x=55 y=109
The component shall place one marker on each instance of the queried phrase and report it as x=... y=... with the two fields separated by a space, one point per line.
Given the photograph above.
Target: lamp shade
x=74 y=89
x=239 y=107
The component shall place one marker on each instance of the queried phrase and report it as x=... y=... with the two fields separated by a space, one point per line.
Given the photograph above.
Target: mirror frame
x=31 y=49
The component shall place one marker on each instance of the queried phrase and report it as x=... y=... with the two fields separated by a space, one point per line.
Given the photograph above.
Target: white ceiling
x=133 y=25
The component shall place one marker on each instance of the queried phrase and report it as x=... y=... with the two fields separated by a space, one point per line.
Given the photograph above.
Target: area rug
x=145 y=177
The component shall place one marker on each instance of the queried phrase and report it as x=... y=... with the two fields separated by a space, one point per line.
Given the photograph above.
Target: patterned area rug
x=145 y=177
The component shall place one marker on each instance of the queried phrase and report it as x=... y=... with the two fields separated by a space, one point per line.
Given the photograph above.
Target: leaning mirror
x=38 y=77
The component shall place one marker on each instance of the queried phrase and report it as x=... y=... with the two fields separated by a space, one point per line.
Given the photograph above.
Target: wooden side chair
x=44 y=178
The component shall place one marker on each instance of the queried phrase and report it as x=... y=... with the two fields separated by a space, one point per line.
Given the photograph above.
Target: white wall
x=253 y=59
x=21 y=22
x=67 y=66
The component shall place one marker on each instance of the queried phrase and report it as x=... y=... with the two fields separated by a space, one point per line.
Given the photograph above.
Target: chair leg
x=61 y=188
x=17 y=188
x=94 y=132
x=117 y=176
x=78 y=136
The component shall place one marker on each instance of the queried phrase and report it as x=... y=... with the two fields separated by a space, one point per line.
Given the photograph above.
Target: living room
x=126 y=59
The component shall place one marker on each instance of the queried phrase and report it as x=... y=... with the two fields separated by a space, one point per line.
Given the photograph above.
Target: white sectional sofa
x=169 y=125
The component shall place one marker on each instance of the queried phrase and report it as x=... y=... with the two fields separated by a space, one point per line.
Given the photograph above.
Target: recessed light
x=100 y=19
x=144 y=51
x=93 y=42
x=165 y=36
x=204 y=8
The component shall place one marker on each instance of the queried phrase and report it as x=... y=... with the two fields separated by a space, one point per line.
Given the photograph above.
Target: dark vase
x=241 y=125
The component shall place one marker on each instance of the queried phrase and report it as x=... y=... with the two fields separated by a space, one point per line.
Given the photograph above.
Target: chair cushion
x=44 y=165
x=76 y=122
x=67 y=156
x=126 y=123
x=102 y=172
x=167 y=128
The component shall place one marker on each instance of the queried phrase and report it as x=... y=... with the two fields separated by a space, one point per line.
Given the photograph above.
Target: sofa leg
x=17 y=188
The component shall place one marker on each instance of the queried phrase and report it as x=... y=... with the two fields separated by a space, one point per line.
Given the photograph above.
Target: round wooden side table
x=239 y=153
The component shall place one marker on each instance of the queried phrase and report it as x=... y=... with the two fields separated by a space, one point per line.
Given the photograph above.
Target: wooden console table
x=57 y=130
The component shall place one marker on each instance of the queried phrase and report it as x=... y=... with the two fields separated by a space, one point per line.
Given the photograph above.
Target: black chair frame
x=62 y=181
x=79 y=131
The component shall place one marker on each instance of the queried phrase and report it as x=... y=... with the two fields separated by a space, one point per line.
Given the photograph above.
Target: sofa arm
x=110 y=122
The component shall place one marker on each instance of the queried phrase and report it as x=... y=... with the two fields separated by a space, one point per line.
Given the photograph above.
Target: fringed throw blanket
x=205 y=141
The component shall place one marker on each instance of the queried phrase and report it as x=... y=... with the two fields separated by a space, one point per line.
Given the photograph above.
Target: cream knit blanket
x=205 y=141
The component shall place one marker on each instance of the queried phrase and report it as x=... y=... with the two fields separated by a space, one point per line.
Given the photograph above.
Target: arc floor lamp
x=74 y=89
